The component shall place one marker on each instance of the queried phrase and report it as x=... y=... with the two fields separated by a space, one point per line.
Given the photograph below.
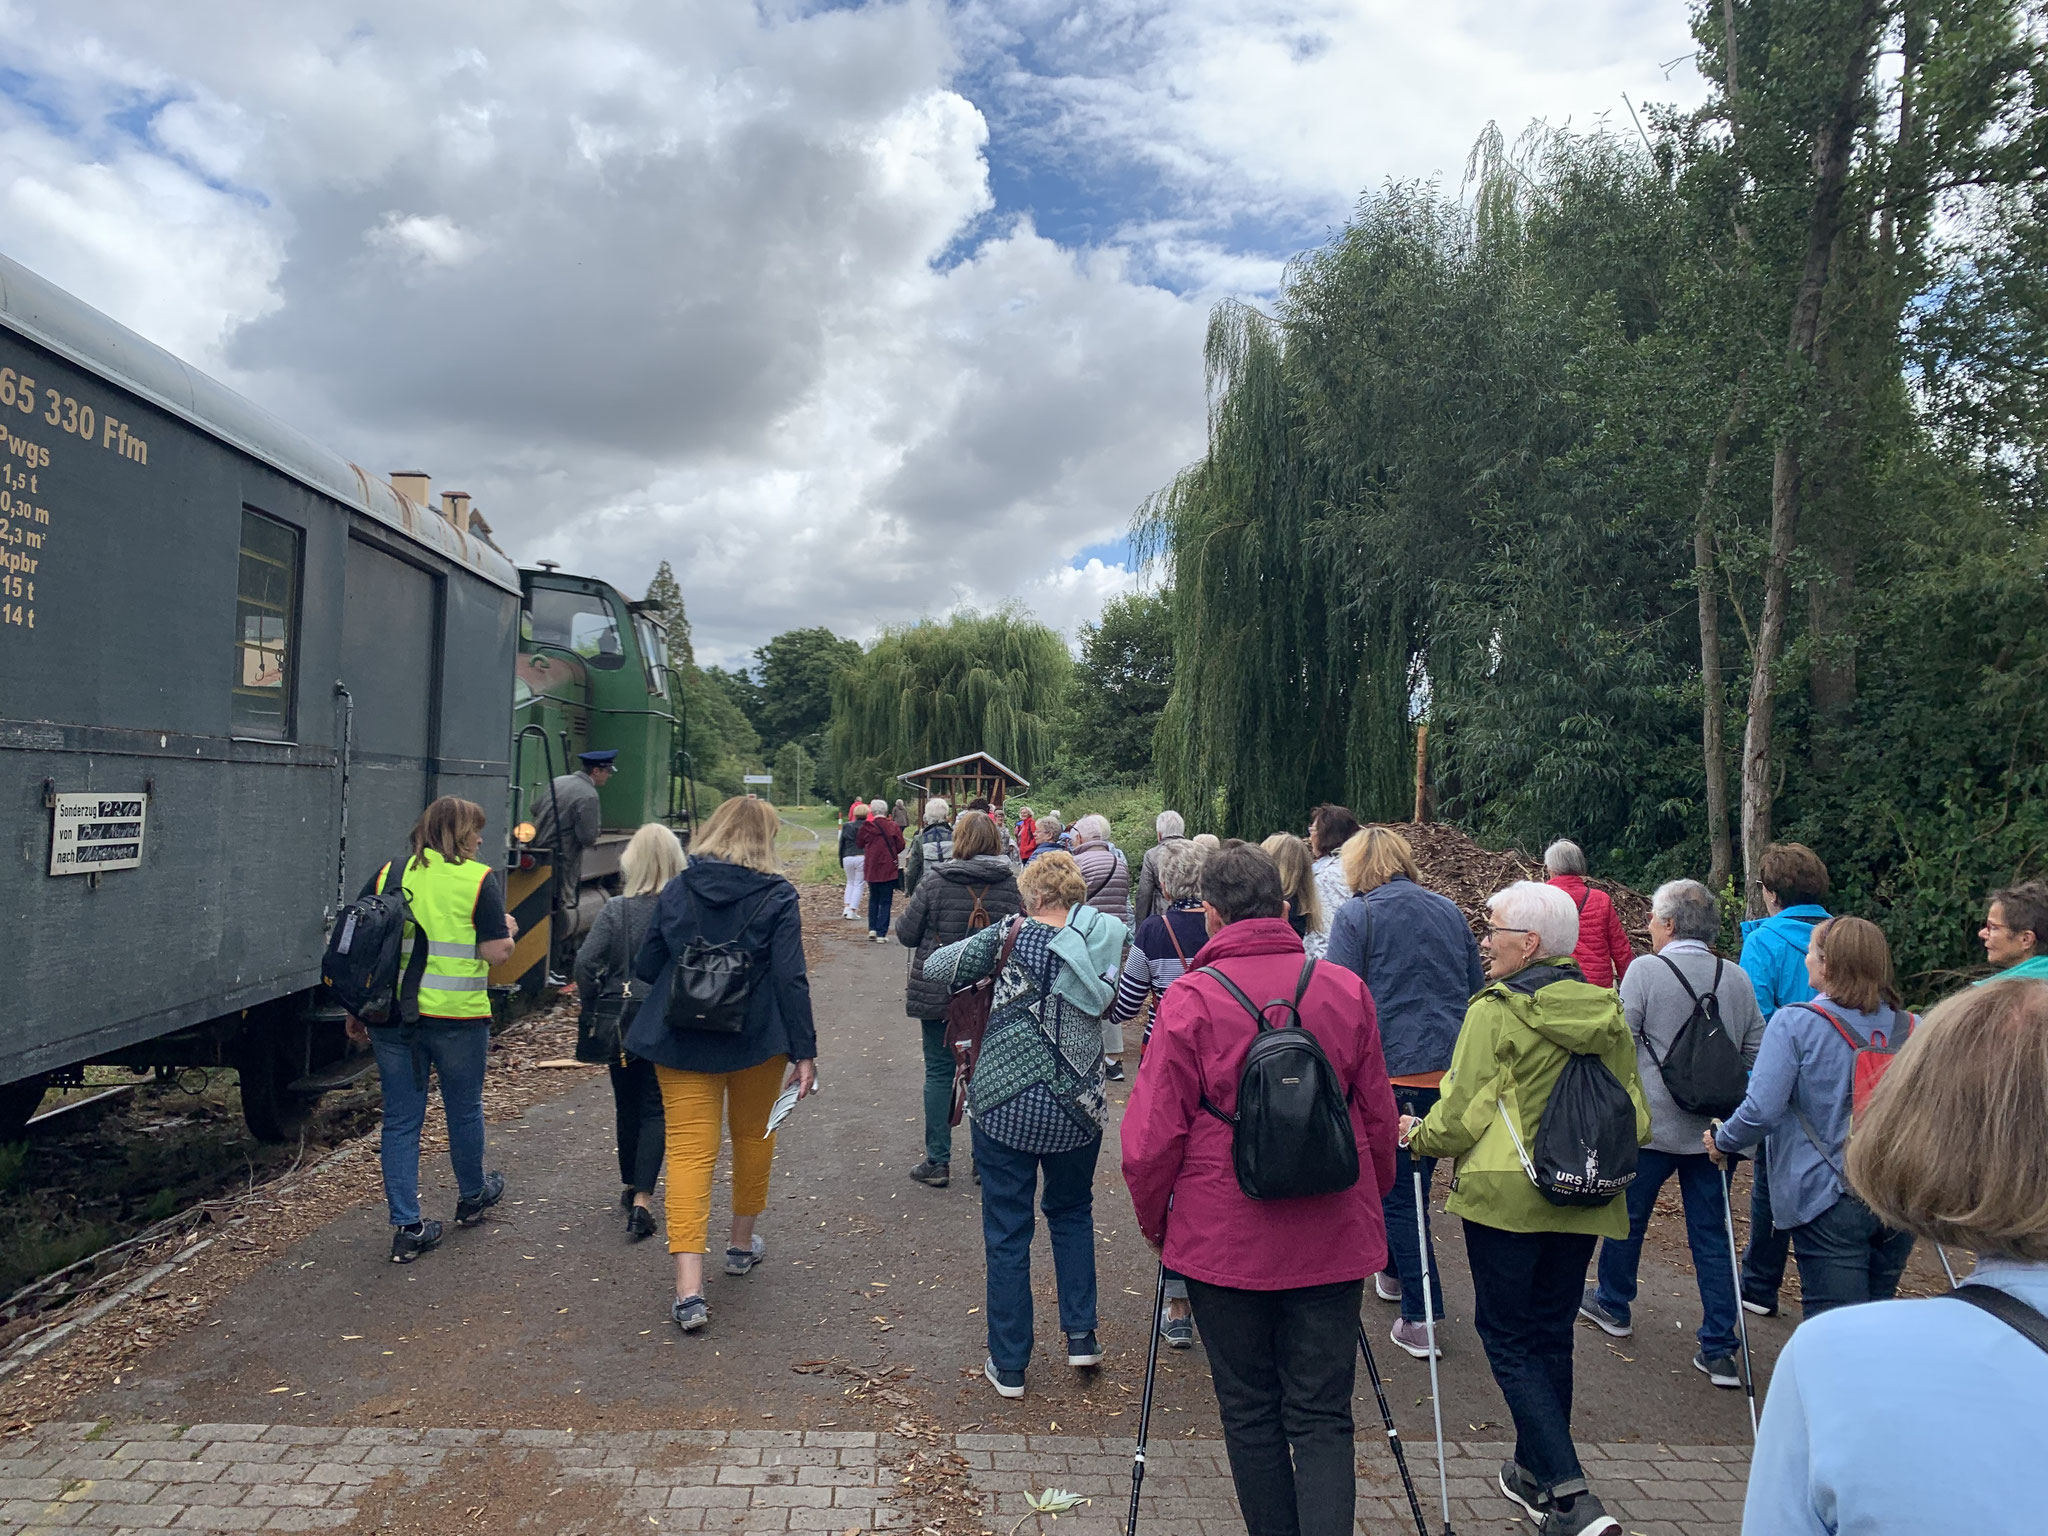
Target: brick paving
x=100 y=1480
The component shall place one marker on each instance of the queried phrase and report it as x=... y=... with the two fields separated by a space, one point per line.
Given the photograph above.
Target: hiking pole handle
x=1145 y=1404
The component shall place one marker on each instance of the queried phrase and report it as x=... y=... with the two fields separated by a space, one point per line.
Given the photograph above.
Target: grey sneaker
x=1387 y=1288
x=1575 y=1514
x=469 y=1210
x=408 y=1243
x=937 y=1175
x=1523 y=1488
x=690 y=1313
x=1720 y=1369
x=1608 y=1321
x=738 y=1261
x=1414 y=1337
x=1179 y=1332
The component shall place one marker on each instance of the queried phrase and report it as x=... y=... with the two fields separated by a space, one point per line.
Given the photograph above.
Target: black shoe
x=408 y=1243
x=1084 y=1349
x=639 y=1224
x=1523 y=1488
x=938 y=1175
x=1114 y=1071
x=1008 y=1383
x=469 y=1210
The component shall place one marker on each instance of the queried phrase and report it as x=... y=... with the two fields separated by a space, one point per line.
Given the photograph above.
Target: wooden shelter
x=961 y=779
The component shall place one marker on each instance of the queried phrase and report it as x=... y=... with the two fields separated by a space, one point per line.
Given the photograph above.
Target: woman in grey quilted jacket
x=973 y=889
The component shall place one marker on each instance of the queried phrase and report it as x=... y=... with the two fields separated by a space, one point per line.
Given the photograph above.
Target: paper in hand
x=784 y=1103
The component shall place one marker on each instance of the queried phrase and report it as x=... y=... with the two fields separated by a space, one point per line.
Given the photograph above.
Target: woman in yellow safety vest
x=456 y=899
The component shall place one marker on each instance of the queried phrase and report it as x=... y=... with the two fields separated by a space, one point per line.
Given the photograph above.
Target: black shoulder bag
x=710 y=984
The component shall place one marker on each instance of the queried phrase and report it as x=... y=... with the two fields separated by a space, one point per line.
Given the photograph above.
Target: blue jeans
x=1526 y=1288
x=1009 y=1178
x=1706 y=1233
x=1847 y=1255
x=881 y=896
x=938 y=1092
x=1404 y=1253
x=457 y=1053
x=1763 y=1261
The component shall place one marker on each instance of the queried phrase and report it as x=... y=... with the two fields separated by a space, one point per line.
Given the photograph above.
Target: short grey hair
x=1180 y=870
x=1092 y=829
x=878 y=807
x=936 y=810
x=1168 y=824
x=1565 y=857
x=1689 y=908
x=1050 y=825
x=1540 y=909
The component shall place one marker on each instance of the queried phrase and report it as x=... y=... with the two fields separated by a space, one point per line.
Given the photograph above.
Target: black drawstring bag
x=710 y=983
x=1584 y=1150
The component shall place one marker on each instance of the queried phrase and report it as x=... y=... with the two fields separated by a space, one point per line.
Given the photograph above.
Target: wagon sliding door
x=390 y=644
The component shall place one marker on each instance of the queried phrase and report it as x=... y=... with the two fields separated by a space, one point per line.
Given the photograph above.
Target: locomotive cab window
x=266 y=615
x=653 y=654
x=576 y=621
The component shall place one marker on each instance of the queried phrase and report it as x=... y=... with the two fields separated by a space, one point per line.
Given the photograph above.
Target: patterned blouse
x=1038 y=1084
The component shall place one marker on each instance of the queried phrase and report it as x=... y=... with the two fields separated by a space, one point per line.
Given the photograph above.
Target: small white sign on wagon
x=91 y=833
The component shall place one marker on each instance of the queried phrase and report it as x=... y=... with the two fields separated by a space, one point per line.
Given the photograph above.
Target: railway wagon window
x=576 y=621
x=266 y=615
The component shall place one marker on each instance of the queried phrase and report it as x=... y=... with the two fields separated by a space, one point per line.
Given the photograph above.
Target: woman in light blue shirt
x=1907 y=1417
x=1799 y=1105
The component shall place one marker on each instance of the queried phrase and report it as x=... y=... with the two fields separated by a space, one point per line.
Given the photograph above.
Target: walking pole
x=1145 y=1404
x=1436 y=1401
x=1947 y=1268
x=1379 y=1391
x=1735 y=1274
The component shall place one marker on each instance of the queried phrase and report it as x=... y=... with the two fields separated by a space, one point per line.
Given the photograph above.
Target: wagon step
x=337 y=1074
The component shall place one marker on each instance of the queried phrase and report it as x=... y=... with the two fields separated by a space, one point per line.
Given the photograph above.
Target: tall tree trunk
x=1833 y=140
x=1713 y=689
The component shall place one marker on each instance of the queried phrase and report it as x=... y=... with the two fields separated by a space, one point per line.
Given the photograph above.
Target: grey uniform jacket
x=1657 y=1007
x=576 y=797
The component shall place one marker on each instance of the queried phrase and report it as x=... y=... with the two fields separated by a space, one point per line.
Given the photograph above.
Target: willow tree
x=1271 y=665
x=978 y=682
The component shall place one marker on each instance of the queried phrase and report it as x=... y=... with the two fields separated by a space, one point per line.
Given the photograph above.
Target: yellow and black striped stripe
x=529 y=897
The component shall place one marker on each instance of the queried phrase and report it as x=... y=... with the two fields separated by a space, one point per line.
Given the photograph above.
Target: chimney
x=455 y=507
x=411 y=484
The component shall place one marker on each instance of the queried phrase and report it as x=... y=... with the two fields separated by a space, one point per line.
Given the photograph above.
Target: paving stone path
x=101 y=1479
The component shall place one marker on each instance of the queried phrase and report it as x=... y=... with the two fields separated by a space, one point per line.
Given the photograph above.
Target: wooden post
x=1422 y=773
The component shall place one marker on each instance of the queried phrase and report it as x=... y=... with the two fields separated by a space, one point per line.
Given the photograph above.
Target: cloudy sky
x=853 y=313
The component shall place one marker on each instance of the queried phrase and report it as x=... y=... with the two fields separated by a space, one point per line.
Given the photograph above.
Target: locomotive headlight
x=523 y=833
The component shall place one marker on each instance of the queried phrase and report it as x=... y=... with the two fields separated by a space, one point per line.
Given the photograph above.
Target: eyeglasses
x=1493 y=928
x=2003 y=927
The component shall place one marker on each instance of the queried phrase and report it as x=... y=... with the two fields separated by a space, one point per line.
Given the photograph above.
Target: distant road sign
x=757 y=778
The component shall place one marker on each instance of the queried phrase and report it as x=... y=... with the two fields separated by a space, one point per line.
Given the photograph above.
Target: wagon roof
x=37 y=309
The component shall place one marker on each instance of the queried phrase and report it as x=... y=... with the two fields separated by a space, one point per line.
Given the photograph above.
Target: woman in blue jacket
x=731 y=893
x=1416 y=955
x=1799 y=1105
x=1950 y=1150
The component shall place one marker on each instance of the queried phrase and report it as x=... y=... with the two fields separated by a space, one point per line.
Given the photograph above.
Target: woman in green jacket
x=1528 y=1257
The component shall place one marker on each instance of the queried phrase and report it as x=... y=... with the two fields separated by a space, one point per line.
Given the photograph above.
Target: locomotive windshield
x=576 y=621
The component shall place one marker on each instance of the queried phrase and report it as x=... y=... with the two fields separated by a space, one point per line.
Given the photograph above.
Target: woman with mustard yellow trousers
x=732 y=892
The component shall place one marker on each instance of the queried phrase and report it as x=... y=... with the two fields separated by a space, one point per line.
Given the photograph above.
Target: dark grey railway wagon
x=225 y=655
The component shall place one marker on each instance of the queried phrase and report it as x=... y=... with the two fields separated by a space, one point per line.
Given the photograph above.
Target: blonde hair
x=651 y=860
x=1297 y=877
x=444 y=827
x=741 y=831
x=1856 y=962
x=1373 y=856
x=1052 y=880
x=1950 y=1148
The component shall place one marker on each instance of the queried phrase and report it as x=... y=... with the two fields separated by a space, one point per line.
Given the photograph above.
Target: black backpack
x=1703 y=1071
x=710 y=983
x=362 y=964
x=1585 y=1143
x=1291 y=1135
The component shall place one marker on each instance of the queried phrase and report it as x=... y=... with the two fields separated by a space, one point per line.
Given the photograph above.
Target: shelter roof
x=917 y=776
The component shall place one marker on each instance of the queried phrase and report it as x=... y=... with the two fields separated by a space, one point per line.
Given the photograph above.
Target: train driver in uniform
x=568 y=823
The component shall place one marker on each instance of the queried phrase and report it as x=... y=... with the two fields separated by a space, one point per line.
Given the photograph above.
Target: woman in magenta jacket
x=1279 y=1313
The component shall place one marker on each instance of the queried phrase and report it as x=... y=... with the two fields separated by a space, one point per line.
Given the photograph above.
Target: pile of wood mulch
x=1467 y=873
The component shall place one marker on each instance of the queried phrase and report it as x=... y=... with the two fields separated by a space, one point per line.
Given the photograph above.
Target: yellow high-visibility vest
x=442 y=896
